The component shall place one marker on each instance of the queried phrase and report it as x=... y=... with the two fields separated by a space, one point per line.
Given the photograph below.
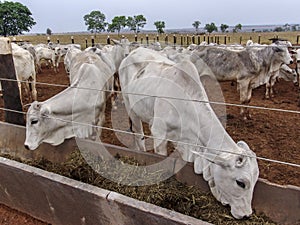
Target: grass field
x=165 y=39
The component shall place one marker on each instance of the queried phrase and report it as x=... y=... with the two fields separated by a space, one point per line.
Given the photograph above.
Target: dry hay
x=170 y=194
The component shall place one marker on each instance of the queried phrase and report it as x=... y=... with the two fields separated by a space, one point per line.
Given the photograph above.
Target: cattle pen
x=278 y=202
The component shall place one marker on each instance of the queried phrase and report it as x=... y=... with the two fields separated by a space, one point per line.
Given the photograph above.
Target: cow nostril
x=291 y=62
x=26 y=146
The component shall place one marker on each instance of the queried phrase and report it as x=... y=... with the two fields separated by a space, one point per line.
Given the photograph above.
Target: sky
x=67 y=15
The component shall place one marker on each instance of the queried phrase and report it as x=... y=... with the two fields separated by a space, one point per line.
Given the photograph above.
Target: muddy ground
x=270 y=134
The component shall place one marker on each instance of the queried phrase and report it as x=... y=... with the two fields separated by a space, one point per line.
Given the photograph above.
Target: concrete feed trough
x=59 y=200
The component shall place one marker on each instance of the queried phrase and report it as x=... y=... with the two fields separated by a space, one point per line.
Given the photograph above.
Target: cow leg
x=27 y=91
x=39 y=67
x=245 y=97
x=100 y=122
x=33 y=91
x=268 y=87
x=158 y=131
x=20 y=90
x=137 y=129
x=273 y=81
x=113 y=94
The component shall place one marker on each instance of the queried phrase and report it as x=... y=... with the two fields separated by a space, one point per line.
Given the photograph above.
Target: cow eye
x=240 y=184
x=34 y=122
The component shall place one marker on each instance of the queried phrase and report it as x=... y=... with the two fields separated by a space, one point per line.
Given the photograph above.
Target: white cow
x=285 y=73
x=71 y=53
x=298 y=64
x=61 y=51
x=112 y=55
x=75 y=111
x=25 y=71
x=250 y=67
x=270 y=79
x=158 y=85
x=47 y=54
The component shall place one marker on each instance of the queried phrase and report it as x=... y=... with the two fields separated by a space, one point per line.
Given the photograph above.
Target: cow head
x=283 y=53
x=231 y=178
x=37 y=121
x=288 y=74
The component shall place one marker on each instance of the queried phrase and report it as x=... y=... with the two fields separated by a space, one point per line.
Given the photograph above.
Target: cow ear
x=277 y=49
x=36 y=105
x=243 y=145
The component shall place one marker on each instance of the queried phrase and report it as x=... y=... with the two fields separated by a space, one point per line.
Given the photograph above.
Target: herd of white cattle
x=153 y=81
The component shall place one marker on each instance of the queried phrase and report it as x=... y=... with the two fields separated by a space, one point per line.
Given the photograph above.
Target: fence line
x=180 y=39
x=164 y=97
x=166 y=139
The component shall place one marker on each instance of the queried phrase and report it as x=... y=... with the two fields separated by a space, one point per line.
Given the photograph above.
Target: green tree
x=117 y=23
x=48 y=31
x=95 y=21
x=136 y=22
x=160 y=25
x=224 y=27
x=237 y=28
x=278 y=29
x=14 y=18
x=211 y=27
x=196 y=24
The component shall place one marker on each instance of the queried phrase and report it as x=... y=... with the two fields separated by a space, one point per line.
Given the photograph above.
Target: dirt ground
x=270 y=134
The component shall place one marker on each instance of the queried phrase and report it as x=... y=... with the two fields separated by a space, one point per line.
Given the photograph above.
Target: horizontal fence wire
x=164 y=97
x=165 y=139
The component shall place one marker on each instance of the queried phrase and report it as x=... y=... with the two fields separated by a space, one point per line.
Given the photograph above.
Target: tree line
x=16 y=18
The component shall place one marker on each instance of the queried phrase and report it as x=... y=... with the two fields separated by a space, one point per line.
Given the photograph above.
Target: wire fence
x=165 y=139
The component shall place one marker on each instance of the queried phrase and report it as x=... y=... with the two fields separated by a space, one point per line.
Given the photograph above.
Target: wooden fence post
x=193 y=39
x=86 y=43
x=258 y=41
x=181 y=40
x=48 y=39
x=57 y=41
x=166 y=39
x=93 y=41
x=157 y=38
x=72 y=39
x=199 y=40
x=147 y=39
x=108 y=40
x=11 y=94
x=240 y=39
x=135 y=38
x=187 y=40
x=225 y=40
x=174 y=39
x=297 y=39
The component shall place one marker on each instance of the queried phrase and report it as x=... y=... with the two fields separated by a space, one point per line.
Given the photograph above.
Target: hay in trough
x=170 y=194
